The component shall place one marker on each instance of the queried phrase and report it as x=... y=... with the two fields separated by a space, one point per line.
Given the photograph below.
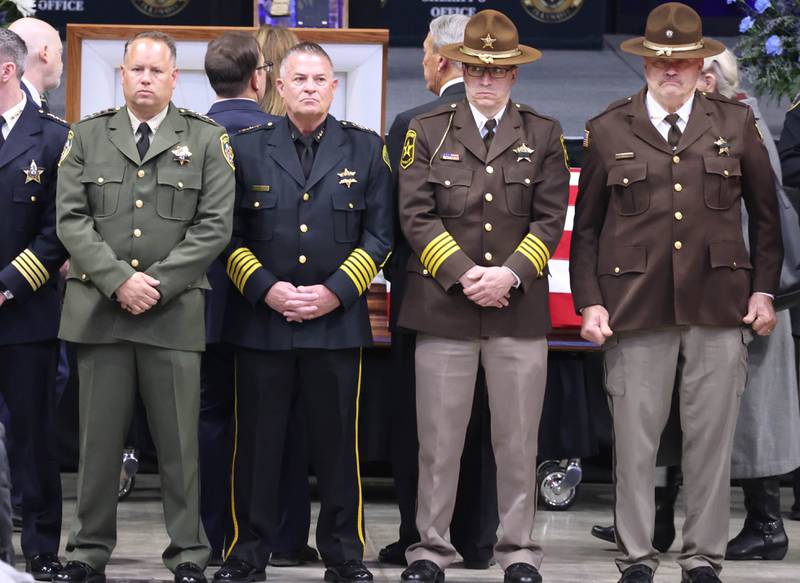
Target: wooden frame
x=335 y=39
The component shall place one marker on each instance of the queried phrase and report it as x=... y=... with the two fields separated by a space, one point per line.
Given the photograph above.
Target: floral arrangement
x=769 y=48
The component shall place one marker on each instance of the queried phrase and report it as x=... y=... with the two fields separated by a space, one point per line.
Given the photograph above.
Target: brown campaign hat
x=673 y=31
x=490 y=38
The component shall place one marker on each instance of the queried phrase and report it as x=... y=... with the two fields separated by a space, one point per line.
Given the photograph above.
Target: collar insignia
x=348 y=177
x=182 y=155
x=33 y=173
x=488 y=41
x=523 y=152
x=724 y=147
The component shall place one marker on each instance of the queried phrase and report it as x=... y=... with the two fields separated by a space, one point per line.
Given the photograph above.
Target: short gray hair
x=13 y=49
x=447 y=29
x=307 y=48
x=726 y=71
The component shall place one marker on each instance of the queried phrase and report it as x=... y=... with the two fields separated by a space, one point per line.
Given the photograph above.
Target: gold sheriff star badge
x=33 y=173
x=348 y=177
x=488 y=41
x=724 y=147
x=182 y=155
x=523 y=152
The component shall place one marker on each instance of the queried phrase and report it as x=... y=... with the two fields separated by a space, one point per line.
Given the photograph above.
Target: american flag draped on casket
x=562 y=310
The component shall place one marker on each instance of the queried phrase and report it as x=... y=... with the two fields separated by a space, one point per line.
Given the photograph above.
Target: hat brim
x=526 y=55
x=635 y=46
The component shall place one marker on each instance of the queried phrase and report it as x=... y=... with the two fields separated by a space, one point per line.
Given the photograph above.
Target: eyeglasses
x=266 y=67
x=494 y=72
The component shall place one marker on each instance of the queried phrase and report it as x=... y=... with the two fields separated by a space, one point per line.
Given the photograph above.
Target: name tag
x=260 y=187
x=451 y=156
x=624 y=155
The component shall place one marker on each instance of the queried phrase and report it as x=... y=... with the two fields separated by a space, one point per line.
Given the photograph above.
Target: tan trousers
x=516 y=373
x=641 y=369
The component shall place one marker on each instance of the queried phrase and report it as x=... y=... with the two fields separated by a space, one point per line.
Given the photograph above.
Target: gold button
x=134 y=263
x=424 y=272
x=302 y=259
x=725 y=172
x=306 y=196
x=140 y=174
x=487 y=256
x=137 y=232
x=678 y=216
x=677 y=245
x=625 y=181
x=180 y=184
x=83 y=277
x=349 y=205
x=139 y=203
x=678 y=187
x=616 y=270
x=527 y=181
x=304 y=228
x=734 y=264
x=488 y=226
x=489 y=169
x=256 y=204
x=447 y=183
x=676 y=159
x=488 y=196
x=33 y=199
x=453 y=105
x=100 y=180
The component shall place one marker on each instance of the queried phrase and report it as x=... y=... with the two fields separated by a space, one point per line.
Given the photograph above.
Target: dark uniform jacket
x=789 y=148
x=461 y=206
x=233 y=115
x=334 y=228
x=168 y=215
x=395 y=269
x=657 y=237
x=30 y=252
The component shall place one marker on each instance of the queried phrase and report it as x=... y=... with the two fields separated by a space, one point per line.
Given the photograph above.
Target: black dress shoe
x=423 y=572
x=606 y=533
x=478 y=564
x=307 y=554
x=43 y=567
x=394 y=553
x=236 y=571
x=663 y=534
x=522 y=573
x=700 y=575
x=353 y=570
x=637 y=574
x=189 y=573
x=78 y=572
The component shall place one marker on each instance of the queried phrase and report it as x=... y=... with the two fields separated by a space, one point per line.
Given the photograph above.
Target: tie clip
x=624 y=155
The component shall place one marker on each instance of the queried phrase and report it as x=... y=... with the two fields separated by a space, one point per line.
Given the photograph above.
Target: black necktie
x=45 y=105
x=307 y=157
x=144 y=139
x=489 y=126
x=674 y=135
x=2 y=123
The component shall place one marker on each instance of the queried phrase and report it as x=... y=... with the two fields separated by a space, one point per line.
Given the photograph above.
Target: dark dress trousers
x=30 y=255
x=474 y=527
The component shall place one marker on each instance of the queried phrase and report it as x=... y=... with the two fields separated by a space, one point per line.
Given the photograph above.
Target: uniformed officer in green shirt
x=144 y=205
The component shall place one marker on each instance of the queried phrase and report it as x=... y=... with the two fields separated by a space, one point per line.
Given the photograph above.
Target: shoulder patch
x=67 y=147
x=47 y=115
x=267 y=125
x=353 y=125
x=586 y=138
x=194 y=114
x=227 y=151
x=109 y=111
x=794 y=105
x=407 y=157
x=564 y=150
x=385 y=155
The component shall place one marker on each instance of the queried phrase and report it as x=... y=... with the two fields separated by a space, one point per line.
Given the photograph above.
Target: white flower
x=26 y=7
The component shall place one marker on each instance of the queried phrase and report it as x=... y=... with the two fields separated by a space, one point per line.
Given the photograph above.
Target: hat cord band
x=489 y=57
x=662 y=50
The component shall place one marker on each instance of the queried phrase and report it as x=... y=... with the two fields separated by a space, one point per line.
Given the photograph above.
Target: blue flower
x=746 y=24
x=730 y=1
x=762 y=5
x=774 y=46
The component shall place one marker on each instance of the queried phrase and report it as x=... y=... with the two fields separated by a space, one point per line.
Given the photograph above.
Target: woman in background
x=274 y=42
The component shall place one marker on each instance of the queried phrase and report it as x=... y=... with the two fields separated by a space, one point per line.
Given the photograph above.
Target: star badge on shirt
x=33 y=173
x=182 y=155
x=523 y=152
x=724 y=147
x=348 y=177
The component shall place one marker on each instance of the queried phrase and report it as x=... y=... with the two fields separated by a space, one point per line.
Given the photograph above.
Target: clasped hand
x=489 y=287
x=138 y=294
x=304 y=302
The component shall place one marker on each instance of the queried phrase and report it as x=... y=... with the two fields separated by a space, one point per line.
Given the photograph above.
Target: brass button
x=83 y=277
x=137 y=232
x=677 y=245
x=678 y=187
x=527 y=181
x=100 y=180
x=424 y=272
x=487 y=256
x=140 y=174
x=350 y=205
x=678 y=216
x=489 y=170
x=676 y=159
x=447 y=183
x=33 y=198
x=134 y=263
x=734 y=264
x=725 y=172
x=616 y=270
x=625 y=181
x=452 y=105
x=302 y=259
x=306 y=196
x=180 y=184
x=488 y=196
x=304 y=228
x=256 y=204
x=139 y=203
x=488 y=226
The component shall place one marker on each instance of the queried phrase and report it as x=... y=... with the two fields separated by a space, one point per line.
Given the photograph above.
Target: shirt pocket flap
x=102 y=174
x=626 y=174
x=448 y=177
x=732 y=254
x=623 y=260
x=520 y=174
x=348 y=201
x=179 y=180
x=723 y=166
x=256 y=200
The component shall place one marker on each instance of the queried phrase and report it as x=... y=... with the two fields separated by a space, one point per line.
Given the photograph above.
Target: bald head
x=43 y=67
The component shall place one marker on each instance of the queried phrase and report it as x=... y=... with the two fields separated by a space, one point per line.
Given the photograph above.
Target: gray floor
x=572 y=556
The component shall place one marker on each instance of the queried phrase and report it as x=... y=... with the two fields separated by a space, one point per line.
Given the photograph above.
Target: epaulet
x=439 y=110
x=47 y=115
x=714 y=96
x=109 y=111
x=522 y=108
x=614 y=105
x=194 y=114
x=794 y=105
x=267 y=125
x=352 y=125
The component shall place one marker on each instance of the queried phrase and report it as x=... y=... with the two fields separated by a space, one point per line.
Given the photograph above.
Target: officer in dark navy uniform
x=30 y=255
x=313 y=225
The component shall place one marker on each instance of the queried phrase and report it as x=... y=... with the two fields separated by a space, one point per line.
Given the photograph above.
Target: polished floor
x=572 y=555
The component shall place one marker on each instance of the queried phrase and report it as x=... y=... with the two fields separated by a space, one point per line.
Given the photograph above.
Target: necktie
x=45 y=105
x=2 y=124
x=489 y=126
x=307 y=157
x=674 y=135
x=144 y=140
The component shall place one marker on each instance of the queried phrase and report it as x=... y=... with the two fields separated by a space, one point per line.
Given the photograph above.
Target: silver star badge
x=182 y=155
x=523 y=152
x=33 y=173
x=348 y=177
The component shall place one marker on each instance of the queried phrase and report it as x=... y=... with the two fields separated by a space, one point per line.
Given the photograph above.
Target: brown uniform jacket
x=461 y=206
x=657 y=237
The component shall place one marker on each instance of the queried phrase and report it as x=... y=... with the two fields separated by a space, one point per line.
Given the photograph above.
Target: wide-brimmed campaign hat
x=673 y=31
x=490 y=38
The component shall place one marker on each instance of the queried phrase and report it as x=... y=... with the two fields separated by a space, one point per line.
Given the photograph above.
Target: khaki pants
x=516 y=374
x=641 y=369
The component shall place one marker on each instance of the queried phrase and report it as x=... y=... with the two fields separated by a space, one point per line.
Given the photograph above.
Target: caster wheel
x=553 y=495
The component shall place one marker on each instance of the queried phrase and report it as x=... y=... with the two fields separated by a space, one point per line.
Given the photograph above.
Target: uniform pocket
x=621 y=261
x=629 y=190
x=348 y=208
x=178 y=192
x=103 y=184
x=258 y=208
x=722 y=184
x=729 y=254
x=451 y=186
x=520 y=183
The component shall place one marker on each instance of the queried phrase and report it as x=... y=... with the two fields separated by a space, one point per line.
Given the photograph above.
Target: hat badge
x=488 y=41
x=669 y=33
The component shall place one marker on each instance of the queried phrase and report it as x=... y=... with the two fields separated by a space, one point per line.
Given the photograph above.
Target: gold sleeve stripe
x=532 y=258
x=540 y=259
x=355 y=264
x=430 y=246
x=24 y=271
x=242 y=264
x=356 y=279
x=385 y=259
x=537 y=242
x=443 y=257
x=31 y=269
x=367 y=260
x=536 y=251
x=360 y=268
x=36 y=263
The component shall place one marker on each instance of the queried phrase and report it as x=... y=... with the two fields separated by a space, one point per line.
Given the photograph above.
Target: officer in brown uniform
x=483 y=198
x=666 y=283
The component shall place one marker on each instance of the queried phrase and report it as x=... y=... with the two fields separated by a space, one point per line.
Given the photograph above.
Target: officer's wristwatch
x=7 y=293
